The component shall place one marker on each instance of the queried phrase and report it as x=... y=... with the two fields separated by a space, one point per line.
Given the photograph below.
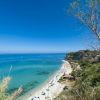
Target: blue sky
x=39 y=26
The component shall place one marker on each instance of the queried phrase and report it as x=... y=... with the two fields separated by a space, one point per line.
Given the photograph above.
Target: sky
x=39 y=26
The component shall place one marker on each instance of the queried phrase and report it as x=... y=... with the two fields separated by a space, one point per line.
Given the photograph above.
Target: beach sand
x=51 y=88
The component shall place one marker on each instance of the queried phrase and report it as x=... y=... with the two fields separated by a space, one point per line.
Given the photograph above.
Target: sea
x=28 y=70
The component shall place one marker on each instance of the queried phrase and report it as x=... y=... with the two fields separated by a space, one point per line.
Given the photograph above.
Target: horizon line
x=67 y=51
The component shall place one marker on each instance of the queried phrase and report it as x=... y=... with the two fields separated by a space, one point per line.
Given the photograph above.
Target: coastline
x=33 y=91
x=48 y=90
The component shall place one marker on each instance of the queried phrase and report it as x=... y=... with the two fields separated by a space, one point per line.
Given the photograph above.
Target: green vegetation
x=3 y=93
x=87 y=83
x=87 y=80
x=84 y=56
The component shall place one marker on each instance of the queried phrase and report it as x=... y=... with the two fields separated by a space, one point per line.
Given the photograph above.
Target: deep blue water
x=28 y=70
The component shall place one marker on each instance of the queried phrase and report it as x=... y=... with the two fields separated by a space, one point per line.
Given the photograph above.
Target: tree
x=88 y=12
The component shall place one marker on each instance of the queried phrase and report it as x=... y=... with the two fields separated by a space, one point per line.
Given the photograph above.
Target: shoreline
x=48 y=89
x=33 y=91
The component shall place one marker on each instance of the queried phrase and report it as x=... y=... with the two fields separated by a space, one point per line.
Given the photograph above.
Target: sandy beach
x=51 y=88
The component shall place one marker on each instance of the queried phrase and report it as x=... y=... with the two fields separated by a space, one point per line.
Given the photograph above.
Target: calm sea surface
x=28 y=70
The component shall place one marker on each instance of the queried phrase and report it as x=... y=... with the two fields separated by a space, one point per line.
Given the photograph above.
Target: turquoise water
x=28 y=70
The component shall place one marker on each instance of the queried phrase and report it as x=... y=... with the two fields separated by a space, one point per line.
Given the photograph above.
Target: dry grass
x=3 y=87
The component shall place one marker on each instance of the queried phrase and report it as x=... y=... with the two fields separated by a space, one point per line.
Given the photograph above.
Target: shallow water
x=28 y=70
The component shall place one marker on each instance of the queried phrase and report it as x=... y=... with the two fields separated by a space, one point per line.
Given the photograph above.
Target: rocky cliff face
x=84 y=55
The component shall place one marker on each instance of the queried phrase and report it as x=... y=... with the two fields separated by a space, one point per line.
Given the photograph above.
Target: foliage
x=84 y=56
x=87 y=86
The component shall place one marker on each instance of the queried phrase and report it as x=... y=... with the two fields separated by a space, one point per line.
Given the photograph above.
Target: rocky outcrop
x=84 y=55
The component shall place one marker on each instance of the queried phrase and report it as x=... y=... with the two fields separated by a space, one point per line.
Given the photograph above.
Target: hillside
x=84 y=55
x=87 y=80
